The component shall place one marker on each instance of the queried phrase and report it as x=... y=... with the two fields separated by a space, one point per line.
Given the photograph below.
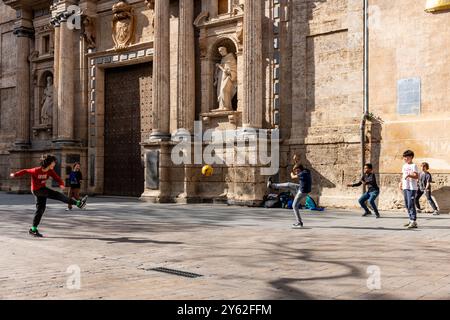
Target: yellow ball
x=207 y=171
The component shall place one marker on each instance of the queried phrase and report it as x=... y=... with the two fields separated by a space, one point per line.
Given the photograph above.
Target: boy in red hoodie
x=39 y=177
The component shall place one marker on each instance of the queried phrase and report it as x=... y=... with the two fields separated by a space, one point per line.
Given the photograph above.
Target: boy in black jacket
x=369 y=180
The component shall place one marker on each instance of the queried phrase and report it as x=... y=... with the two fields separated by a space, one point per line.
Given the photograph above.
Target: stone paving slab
x=242 y=253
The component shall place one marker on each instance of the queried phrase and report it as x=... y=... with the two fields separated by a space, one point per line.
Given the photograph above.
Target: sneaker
x=367 y=214
x=269 y=183
x=35 y=233
x=412 y=225
x=68 y=209
x=82 y=202
x=298 y=225
x=436 y=213
x=377 y=216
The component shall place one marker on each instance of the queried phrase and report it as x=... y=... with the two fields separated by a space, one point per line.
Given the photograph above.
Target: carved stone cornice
x=44 y=28
x=56 y=20
x=23 y=32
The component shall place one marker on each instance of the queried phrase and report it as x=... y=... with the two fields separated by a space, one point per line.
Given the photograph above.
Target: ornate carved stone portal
x=123 y=25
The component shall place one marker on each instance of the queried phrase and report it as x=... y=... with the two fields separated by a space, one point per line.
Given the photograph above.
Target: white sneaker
x=436 y=213
x=413 y=225
x=67 y=209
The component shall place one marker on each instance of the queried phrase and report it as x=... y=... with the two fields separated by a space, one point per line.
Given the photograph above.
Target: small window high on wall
x=223 y=6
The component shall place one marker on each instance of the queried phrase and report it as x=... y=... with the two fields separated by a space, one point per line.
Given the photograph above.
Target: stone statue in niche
x=225 y=79
x=123 y=25
x=88 y=31
x=47 y=102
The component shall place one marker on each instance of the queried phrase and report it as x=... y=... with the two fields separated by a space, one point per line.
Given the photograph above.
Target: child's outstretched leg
x=61 y=197
x=292 y=187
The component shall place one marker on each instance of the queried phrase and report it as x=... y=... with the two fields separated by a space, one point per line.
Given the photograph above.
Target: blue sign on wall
x=409 y=96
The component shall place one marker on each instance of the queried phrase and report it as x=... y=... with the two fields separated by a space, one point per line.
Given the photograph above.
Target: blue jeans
x=371 y=196
x=410 y=197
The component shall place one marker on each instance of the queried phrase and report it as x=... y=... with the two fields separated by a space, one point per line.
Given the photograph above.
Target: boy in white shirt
x=409 y=186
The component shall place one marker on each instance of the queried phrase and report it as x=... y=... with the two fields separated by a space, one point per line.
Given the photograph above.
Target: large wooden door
x=127 y=123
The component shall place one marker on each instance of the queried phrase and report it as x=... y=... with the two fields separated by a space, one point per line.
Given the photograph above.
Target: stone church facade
x=110 y=83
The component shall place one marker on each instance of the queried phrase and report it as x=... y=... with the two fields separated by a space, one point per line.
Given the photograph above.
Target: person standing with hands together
x=409 y=186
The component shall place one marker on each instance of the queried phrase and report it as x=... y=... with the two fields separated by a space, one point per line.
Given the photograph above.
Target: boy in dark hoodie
x=302 y=189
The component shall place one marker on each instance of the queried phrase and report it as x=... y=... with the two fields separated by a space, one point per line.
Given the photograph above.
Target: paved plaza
x=240 y=253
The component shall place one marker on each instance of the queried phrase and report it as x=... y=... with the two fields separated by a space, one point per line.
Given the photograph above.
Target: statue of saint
x=89 y=32
x=47 y=102
x=226 y=79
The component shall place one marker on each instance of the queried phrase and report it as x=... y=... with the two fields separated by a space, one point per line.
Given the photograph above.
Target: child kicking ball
x=39 y=177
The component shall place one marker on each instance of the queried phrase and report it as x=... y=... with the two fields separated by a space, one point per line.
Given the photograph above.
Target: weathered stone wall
x=7 y=90
x=407 y=42
x=327 y=96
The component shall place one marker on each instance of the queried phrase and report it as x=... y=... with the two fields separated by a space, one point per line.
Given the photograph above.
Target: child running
x=409 y=186
x=39 y=176
x=368 y=179
x=425 y=181
x=302 y=189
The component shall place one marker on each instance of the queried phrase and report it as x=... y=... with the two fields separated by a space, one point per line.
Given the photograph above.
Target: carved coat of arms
x=123 y=25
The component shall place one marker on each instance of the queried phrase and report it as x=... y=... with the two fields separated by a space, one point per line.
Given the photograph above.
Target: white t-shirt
x=410 y=183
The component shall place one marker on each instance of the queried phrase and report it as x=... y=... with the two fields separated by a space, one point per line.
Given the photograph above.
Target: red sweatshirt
x=39 y=177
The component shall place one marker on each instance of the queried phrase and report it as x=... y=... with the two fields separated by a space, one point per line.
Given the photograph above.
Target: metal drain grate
x=177 y=272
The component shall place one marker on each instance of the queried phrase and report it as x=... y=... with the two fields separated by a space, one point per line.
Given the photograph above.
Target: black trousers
x=429 y=198
x=41 y=196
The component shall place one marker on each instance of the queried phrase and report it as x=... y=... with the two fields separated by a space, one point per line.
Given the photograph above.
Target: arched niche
x=213 y=58
x=42 y=85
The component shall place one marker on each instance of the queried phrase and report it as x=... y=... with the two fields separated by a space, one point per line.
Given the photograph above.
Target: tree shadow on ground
x=289 y=286
x=120 y=240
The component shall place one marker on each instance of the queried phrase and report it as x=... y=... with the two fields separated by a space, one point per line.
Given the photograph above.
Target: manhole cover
x=177 y=272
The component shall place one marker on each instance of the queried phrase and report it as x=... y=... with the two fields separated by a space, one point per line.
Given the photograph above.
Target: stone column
x=186 y=67
x=65 y=83
x=161 y=72
x=23 y=31
x=253 y=76
x=56 y=24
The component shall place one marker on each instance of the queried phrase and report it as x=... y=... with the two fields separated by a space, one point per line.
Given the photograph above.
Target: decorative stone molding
x=222 y=119
x=238 y=9
x=42 y=128
x=240 y=33
x=43 y=29
x=123 y=25
x=150 y=4
x=201 y=19
x=23 y=32
x=33 y=55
